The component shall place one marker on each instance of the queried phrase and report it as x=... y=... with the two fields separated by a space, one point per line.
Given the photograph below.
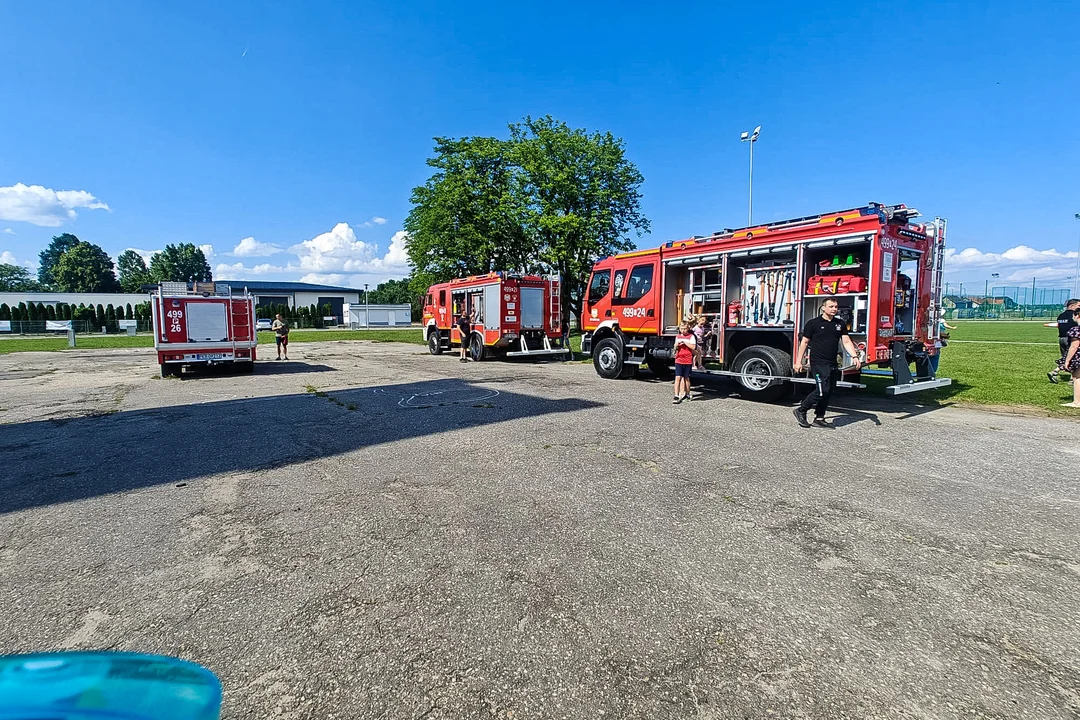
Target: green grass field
x=989 y=362
x=988 y=369
x=10 y=345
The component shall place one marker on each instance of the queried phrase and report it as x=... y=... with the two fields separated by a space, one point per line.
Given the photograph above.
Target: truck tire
x=608 y=358
x=434 y=342
x=662 y=369
x=762 y=360
x=476 y=347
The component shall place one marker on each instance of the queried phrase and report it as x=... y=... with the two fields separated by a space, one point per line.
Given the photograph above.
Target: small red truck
x=514 y=316
x=757 y=286
x=203 y=324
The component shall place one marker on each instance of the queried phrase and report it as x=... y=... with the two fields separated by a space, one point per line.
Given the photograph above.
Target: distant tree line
x=308 y=316
x=69 y=264
x=98 y=316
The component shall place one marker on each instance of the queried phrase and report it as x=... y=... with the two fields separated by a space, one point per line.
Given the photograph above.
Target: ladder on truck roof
x=205 y=289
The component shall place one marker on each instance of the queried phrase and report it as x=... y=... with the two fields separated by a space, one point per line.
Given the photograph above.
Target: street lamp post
x=367 y=316
x=1076 y=273
x=751 y=137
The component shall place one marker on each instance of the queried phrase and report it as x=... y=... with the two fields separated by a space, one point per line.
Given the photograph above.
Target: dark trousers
x=1063 y=343
x=825 y=377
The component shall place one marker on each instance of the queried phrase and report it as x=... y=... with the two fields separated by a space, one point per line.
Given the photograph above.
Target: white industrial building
x=362 y=316
x=12 y=299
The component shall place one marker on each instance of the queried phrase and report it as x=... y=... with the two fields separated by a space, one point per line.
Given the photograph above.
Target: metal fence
x=1005 y=302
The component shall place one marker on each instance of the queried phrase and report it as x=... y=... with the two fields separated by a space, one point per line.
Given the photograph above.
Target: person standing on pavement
x=1066 y=321
x=464 y=324
x=684 y=361
x=281 y=336
x=822 y=336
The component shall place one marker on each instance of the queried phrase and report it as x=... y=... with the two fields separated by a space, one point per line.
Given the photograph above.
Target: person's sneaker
x=676 y=400
x=1052 y=377
x=464 y=360
x=800 y=415
x=1071 y=404
x=823 y=423
x=687 y=397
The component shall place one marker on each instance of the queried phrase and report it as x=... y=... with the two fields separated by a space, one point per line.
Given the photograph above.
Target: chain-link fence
x=1004 y=302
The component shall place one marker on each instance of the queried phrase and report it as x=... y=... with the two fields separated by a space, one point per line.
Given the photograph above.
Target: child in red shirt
x=684 y=360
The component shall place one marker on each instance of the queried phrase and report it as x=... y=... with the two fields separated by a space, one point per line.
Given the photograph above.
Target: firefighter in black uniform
x=822 y=335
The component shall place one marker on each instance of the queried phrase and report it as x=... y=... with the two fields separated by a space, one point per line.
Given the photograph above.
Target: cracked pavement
x=371 y=532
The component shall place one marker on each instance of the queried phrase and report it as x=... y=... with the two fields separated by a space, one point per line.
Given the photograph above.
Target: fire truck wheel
x=660 y=368
x=762 y=360
x=434 y=343
x=476 y=347
x=608 y=358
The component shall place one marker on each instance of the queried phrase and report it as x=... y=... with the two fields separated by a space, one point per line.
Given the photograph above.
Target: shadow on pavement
x=287 y=367
x=57 y=461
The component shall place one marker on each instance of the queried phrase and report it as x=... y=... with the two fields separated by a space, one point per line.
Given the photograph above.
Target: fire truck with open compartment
x=757 y=286
x=203 y=324
x=515 y=316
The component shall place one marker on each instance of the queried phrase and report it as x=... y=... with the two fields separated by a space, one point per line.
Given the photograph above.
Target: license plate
x=209 y=356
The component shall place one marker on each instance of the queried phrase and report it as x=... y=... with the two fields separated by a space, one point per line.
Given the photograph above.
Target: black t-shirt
x=463 y=325
x=824 y=338
x=1065 y=322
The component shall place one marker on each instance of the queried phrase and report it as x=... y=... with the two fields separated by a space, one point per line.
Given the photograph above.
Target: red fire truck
x=757 y=286
x=203 y=324
x=514 y=315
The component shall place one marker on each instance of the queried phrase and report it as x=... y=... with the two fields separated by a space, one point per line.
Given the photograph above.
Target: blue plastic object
x=106 y=686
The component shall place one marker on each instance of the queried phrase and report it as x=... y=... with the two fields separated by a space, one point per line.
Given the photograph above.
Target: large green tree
x=84 y=267
x=549 y=199
x=48 y=257
x=469 y=217
x=14 y=278
x=584 y=198
x=133 y=271
x=182 y=263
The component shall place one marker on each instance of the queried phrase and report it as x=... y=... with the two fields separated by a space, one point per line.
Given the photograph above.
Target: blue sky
x=288 y=137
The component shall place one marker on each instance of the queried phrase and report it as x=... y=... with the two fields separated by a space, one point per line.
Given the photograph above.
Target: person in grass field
x=1066 y=321
x=1071 y=361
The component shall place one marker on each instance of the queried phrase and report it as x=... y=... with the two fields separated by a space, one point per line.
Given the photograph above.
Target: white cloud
x=1018 y=256
x=250 y=247
x=338 y=251
x=146 y=254
x=373 y=222
x=8 y=258
x=1017 y=265
x=207 y=251
x=239 y=271
x=9 y=231
x=43 y=206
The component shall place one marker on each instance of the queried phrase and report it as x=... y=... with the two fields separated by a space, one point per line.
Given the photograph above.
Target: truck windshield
x=598 y=288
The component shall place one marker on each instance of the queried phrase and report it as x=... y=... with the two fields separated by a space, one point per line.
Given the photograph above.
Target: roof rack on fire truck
x=888 y=213
x=204 y=289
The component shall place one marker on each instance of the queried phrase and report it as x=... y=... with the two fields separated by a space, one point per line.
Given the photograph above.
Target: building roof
x=267 y=286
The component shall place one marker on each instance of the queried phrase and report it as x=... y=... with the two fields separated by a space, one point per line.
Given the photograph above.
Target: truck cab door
x=634 y=299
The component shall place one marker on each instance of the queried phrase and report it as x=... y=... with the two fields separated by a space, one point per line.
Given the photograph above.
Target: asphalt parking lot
x=371 y=532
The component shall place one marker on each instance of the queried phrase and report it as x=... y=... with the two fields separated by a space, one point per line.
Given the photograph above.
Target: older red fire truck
x=203 y=324
x=513 y=315
x=757 y=286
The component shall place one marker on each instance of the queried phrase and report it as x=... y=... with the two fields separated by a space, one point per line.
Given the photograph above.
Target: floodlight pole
x=1076 y=272
x=367 y=317
x=751 y=137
